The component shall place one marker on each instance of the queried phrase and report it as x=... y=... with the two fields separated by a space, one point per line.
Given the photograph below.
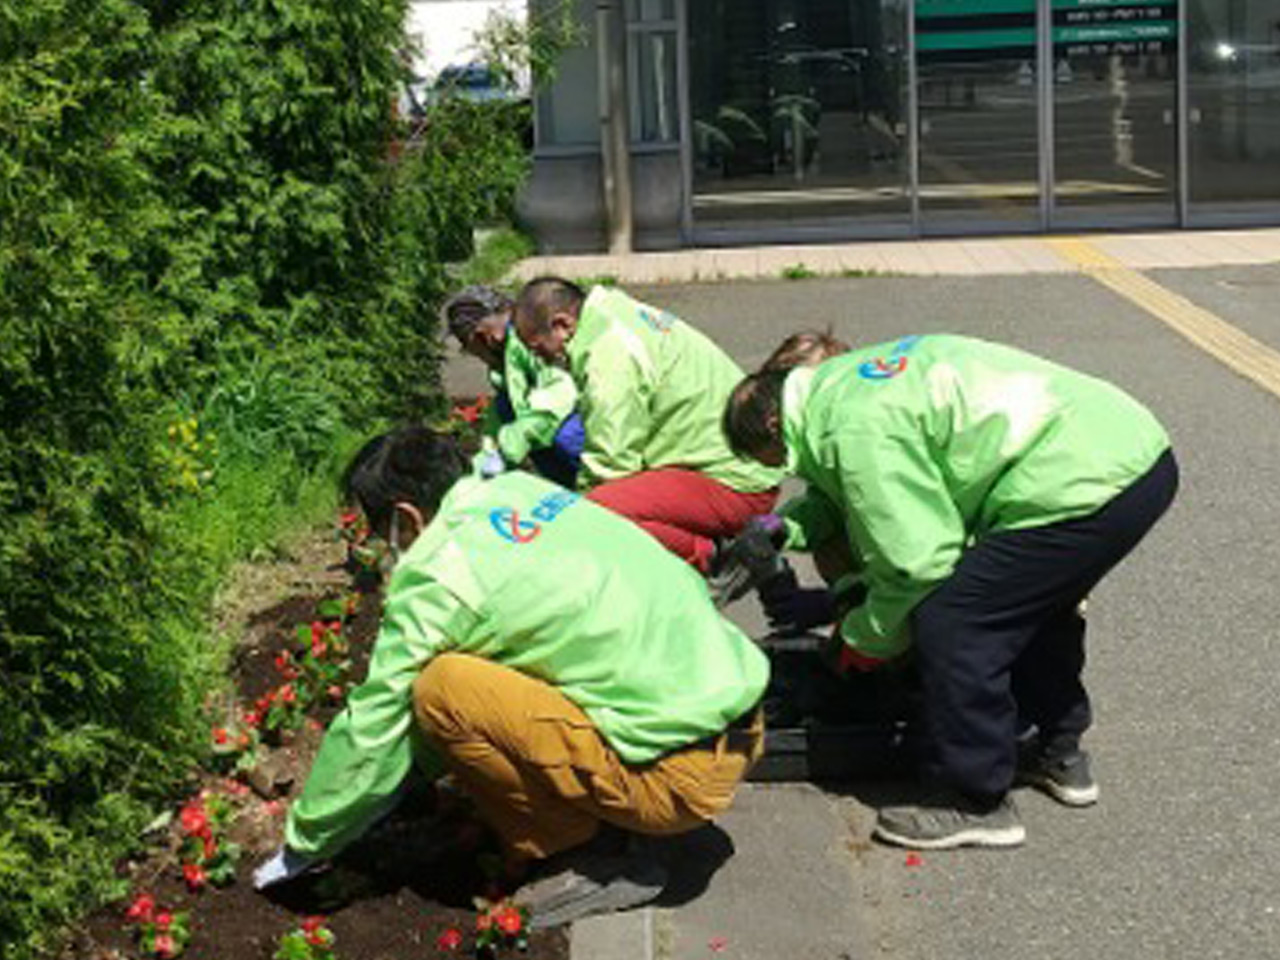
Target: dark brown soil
x=389 y=896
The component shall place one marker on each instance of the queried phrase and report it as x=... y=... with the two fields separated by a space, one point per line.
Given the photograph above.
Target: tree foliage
x=210 y=217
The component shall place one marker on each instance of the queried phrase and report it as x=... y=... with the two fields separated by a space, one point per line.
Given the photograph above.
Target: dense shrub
x=211 y=222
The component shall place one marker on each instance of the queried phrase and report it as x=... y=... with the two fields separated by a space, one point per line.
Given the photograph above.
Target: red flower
x=451 y=939
x=914 y=859
x=349 y=518
x=252 y=718
x=484 y=920
x=335 y=691
x=142 y=908
x=288 y=694
x=509 y=920
x=194 y=874
x=164 y=920
x=318 y=631
x=318 y=648
x=164 y=945
x=219 y=735
x=312 y=924
x=284 y=664
x=194 y=820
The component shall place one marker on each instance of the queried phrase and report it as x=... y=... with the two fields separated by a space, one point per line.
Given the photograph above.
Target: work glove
x=792 y=610
x=748 y=559
x=489 y=463
x=284 y=864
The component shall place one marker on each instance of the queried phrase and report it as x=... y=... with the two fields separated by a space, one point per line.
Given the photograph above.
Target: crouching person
x=570 y=673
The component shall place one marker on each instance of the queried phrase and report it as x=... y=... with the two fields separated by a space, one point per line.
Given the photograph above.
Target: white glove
x=489 y=463
x=284 y=864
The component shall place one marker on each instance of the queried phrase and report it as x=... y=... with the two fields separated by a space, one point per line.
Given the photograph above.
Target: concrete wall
x=562 y=203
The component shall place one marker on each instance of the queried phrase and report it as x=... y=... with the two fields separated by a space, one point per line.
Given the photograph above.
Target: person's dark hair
x=806 y=348
x=466 y=308
x=413 y=464
x=545 y=296
x=752 y=404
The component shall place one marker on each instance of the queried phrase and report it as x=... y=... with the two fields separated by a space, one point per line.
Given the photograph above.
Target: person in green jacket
x=984 y=492
x=568 y=671
x=533 y=415
x=651 y=389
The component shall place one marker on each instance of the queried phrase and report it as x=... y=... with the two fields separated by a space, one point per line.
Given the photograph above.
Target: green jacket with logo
x=542 y=397
x=916 y=449
x=527 y=574
x=652 y=393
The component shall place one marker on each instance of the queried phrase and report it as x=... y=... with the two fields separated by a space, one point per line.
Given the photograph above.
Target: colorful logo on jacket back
x=659 y=321
x=886 y=368
x=507 y=524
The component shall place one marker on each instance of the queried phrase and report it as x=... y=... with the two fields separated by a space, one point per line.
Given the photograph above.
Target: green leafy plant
x=208 y=857
x=312 y=940
x=160 y=933
x=798 y=271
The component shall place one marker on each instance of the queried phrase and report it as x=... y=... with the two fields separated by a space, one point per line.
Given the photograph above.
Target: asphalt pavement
x=1180 y=857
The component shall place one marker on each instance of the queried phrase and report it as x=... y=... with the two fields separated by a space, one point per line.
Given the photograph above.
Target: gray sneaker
x=1066 y=778
x=951 y=820
x=586 y=883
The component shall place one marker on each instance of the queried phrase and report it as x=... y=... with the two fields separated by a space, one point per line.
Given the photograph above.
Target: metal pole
x=615 y=159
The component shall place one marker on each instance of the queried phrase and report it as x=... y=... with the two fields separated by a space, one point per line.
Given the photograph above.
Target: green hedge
x=219 y=260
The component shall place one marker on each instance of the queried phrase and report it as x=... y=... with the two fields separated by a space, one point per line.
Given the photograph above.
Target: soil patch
x=391 y=895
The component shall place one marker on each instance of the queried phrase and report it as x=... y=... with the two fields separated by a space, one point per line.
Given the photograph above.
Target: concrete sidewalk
x=941 y=257
x=1178 y=860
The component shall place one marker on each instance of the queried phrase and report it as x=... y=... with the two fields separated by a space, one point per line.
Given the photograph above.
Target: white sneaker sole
x=1013 y=836
x=1067 y=796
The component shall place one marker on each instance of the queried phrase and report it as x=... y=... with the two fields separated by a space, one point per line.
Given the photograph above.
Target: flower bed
x=413 y=888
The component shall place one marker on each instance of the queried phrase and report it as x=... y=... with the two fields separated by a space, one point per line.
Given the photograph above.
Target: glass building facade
x=778 y=120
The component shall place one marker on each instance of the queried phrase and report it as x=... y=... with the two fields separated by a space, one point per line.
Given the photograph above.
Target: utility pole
x=615 y=153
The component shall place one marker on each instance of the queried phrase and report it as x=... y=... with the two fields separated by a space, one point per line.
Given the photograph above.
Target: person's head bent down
x=477 y=317
x=546 y=317
x=752 y=419
x=399 y=479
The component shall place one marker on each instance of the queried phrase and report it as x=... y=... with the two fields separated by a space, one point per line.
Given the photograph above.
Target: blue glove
x=792 y=610
x=489 y=463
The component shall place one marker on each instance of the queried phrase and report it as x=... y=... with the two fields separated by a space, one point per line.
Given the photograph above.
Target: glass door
x=798 y=118
x=1233 y=111
x=1115 y=142
x=978 y=109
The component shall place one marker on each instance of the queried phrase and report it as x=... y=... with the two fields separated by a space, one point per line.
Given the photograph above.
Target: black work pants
x=1000 y=643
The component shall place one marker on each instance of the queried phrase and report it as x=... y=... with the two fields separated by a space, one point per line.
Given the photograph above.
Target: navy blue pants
x=1000 y=644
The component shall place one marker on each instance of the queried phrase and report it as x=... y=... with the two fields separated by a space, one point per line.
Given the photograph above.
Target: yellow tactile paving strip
x=1239 y=351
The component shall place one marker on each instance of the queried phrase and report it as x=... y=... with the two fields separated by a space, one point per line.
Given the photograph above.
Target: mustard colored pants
x=543 y=777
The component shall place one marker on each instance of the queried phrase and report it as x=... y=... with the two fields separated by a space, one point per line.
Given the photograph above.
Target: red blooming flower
x=195 y=820
x=484 y=920
x=195 y=876
x=164 y=920
x=252 y=717
x=451 y=939
x=142 y=908
x=288 y=694
x=349 y=518
x=318 y=648
x=509 y=920
x=164 y=945
x=914 y=859
x=312 y=924
x=219 y=735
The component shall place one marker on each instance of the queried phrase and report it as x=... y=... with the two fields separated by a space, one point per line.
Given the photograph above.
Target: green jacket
x=542 y=397
x=530 y=575
x=920 y=447
x=653 y=390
